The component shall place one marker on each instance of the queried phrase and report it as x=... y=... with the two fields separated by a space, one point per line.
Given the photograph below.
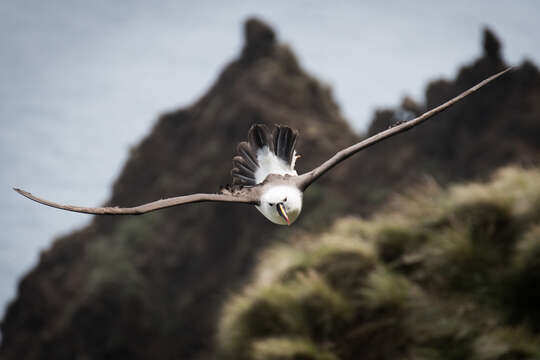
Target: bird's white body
x=289 y=196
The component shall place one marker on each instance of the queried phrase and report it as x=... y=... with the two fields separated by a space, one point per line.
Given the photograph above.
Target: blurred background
x=83 y=83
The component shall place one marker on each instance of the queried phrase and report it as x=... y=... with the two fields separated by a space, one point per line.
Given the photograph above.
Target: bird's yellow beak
x=281 y=211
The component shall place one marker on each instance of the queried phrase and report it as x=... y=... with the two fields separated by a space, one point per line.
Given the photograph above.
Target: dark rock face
x=260 y=40
x=497 y=126
x=152 y=286
x=492 y=46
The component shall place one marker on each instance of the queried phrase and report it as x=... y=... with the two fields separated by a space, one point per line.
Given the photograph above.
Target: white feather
x=269 y=163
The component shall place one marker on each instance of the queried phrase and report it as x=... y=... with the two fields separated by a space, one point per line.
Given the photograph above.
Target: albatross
x=263 y=171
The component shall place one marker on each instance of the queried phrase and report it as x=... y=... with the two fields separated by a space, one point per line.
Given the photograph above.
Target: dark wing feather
x=240 y=163
x=258 y=137
x=284 y=140
x=304 y=180
x=245 y=151
x=245 y=164
x=241 y=197
x=242 y=178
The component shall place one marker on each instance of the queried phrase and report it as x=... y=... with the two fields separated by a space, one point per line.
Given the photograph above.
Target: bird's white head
x=281 y=204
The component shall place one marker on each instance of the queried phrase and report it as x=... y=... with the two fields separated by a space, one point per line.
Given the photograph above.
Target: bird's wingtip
x=19 y=191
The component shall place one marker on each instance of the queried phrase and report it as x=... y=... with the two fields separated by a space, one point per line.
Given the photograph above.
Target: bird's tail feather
x=284 y=140
x=281 y=142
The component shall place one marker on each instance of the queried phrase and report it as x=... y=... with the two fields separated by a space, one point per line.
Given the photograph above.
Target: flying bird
x=263 y=173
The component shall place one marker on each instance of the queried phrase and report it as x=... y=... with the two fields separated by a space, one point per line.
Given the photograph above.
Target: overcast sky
x=82 y=81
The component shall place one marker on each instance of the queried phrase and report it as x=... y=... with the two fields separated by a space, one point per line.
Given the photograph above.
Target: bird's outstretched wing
x=304 y=180
x=245 y=197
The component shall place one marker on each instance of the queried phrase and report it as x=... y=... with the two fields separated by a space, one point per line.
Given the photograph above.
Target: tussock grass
x=113 y=259
x=509 y=342
x=385 y=289
x=305 y=306
x=334 y=257
x=289 y=349
x=440 y=274
x=527 y=254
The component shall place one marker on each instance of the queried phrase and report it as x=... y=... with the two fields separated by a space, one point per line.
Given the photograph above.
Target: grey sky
x=82 y=81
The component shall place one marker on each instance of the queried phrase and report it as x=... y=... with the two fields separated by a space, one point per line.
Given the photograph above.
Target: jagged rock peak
x=492 y=45
x=260 y=39
x=409 y=104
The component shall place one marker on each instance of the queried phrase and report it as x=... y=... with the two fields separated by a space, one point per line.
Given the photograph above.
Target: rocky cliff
x=153 y=286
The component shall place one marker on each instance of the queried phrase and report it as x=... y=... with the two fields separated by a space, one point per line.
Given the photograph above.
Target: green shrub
x=520 y=293
x=439 y=274
x=289 y=349
x=305 y=306
x=113 y=260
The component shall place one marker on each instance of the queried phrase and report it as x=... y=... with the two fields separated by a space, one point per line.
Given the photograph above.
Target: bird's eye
x=284 y=199
x=271 y=204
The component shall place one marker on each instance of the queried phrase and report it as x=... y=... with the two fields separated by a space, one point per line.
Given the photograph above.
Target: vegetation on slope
x=440 y=274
